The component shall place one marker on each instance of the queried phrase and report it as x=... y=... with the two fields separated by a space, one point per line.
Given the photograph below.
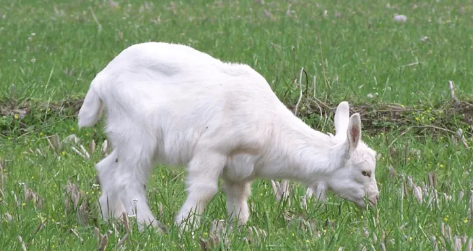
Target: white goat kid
x=171 y=104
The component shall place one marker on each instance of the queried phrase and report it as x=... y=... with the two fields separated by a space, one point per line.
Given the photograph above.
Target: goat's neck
x=304 y=154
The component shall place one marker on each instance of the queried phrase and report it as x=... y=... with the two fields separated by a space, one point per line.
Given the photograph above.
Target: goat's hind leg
x=131 y=179
x=134 y=165
x=110 y=205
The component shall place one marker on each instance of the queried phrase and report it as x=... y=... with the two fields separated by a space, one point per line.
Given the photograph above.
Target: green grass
x=51 y=50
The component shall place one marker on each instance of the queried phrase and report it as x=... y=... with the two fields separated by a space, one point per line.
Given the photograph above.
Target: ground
x=395 y=73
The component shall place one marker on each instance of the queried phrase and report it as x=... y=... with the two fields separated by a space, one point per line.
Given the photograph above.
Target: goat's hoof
x=155 y=225
x=161 y=228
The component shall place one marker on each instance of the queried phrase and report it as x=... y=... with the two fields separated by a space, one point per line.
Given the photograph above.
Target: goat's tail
x=91 y=109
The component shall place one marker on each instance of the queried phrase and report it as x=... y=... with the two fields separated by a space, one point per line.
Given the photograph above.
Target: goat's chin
x=362 y=204
x=357 y=200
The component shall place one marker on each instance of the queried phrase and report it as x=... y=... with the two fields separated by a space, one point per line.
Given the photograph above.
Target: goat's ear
x=354 y=131
x=341 y=119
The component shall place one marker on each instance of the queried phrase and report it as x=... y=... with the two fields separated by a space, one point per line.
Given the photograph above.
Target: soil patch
x=376 y=117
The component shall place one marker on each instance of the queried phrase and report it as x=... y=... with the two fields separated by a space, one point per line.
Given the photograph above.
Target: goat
x=171 y=104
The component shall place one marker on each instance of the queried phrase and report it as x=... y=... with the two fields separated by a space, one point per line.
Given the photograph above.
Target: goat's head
x=355 y=178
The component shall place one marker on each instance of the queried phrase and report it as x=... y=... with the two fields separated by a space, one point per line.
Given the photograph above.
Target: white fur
x=171 y=104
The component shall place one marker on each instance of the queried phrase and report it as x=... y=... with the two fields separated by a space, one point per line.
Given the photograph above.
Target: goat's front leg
x=202 y=184
x=237 y=196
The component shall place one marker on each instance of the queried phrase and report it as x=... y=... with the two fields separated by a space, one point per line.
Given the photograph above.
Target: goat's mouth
x=372 y=203
x=361 y=202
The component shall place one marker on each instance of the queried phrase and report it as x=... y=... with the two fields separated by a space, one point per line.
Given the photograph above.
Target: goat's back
x=185 y=99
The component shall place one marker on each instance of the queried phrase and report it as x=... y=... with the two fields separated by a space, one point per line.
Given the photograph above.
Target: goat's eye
x=365 y=173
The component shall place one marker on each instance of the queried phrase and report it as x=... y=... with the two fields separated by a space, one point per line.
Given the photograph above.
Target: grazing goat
x=171 y=104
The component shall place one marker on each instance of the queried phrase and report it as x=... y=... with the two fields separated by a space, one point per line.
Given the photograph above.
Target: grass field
x=50 y=50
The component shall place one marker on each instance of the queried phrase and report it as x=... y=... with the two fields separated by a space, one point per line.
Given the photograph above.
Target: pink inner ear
x=355 y=133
